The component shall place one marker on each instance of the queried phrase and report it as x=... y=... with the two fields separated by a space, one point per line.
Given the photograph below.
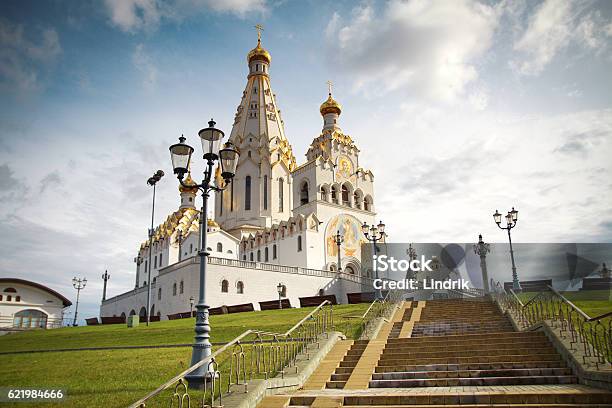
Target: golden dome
x=212 y=223
x=189 y=181
x=330 y=106
x=259 y=53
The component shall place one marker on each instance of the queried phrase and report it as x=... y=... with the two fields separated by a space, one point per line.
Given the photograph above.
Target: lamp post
x=511 y=220
x=152 y=181
x=191 y=303
x=374 y=234
x=339 y=239
x=181 y=158
x=279 y=289
x=412 y=255
x=78 y=284
x=482 y=249
x=105 y=277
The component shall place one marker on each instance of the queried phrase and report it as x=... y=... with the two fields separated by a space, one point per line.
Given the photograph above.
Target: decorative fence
x=253 y=354
x=591 y=335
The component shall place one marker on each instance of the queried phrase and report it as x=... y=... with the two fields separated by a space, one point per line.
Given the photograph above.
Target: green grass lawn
x=592 y=302
x=116 y=378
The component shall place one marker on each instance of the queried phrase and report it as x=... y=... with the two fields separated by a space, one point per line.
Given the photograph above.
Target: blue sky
x=459 y=108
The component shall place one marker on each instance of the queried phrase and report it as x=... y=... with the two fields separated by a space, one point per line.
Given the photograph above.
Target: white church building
x=275 y=224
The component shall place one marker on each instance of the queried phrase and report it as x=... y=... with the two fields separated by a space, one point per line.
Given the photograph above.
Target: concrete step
x=515 y=372
x=461 y=338
x=394 y=355
x=507 y=365
x=524 y=356
x=475 y=381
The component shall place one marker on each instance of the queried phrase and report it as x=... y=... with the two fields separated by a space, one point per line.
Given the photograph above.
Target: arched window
x=332 y=267
x=266 y=255
x=324 y=196
x=10 y=290
x=160 y=260
x=265 y=192
x=181 y=287
x=334 y=194
x=143 y=312
x=132 y=312
x=17 y=298
x=281 y=194
x=367 y=203
x=30 y=318
x=159 y=294
x=345 y=195
x=357 y=199
x=299 y=243
x=251 y=257
x=174 y=289
x=304 y=193
x=247 y=193
x=259 y=255
x=224 y=286
x=219 y=247
x=349 y=269
x=274 y=251
x=240 y=287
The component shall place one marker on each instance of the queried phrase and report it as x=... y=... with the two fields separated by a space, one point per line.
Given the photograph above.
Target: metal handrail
x=270 y=360
x=550 y=305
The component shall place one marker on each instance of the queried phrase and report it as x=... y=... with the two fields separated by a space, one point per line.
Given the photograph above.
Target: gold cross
x=329 y=86
x=259 y=29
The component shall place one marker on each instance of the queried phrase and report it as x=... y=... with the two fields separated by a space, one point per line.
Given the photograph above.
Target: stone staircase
x=450 y=353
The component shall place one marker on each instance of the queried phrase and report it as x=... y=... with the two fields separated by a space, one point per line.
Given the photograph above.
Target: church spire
x=330 y=110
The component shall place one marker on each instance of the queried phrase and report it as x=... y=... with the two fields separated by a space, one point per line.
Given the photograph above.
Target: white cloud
x=143 y=63
x=136 y=15
x=554 y=26
x=22 y=60
x=430 y=48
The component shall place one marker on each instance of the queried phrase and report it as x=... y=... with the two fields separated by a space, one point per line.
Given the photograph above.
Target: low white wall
x=259 y=280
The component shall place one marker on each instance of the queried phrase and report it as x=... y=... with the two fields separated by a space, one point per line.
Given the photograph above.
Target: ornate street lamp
x=511 y=220
x=279 y=289
x=181 y=158
x=339 y=239
x=105 y=277
x=374 y=234
x=191 y=303
x=152 y=181
x=78 y=284
x=481 y=249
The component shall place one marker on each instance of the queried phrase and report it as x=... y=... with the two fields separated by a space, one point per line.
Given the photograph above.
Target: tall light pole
x=511 y=220
x=339 y=239
x=191 y=303
x=78 y=284
x=138 y=261
x=374 y=234
x=105 y=277
x=179 y=240
x=481 y=249
x=181 y=158
x=152 y=181
x=279 y=289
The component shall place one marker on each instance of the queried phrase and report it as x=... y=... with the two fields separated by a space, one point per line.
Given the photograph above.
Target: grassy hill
x=116 y=378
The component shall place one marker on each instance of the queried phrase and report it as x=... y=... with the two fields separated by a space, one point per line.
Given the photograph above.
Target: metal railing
x=253 y=354
x=377 y=309
x=591 y=335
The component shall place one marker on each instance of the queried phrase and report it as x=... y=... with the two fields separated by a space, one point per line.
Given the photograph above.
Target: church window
x=10 y=290
x=17 y=298
x=266 y=255
x=259 y=255
x=334 y=194
x=190 y=248
x=256 y=67
x=181 y=287
x=249 y=153
x=209 y=249
x=251 y=257
x=274 y=251
x=323 y=194
x=247 y=193
x=345 y=195
x=265 y=192
x=304 y=193
x=219 y=247
x=357 y=200
x=174 y=289
x=240 y=287
x=224 y=286
x=0 y=297
x=299 y=243
x=229 y=251
x=281 y=192
x=160 y=260
x=367 y=203
x=146 y=265
x=155 y=264
x=159 y=294
x=190 y=199
x=9 y=298
x=244 y=257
